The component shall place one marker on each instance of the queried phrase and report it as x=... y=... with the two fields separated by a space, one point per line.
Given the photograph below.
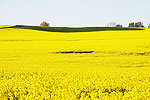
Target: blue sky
x=74 y=12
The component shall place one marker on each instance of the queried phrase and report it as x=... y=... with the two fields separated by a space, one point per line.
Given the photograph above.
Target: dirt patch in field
x=70 y=52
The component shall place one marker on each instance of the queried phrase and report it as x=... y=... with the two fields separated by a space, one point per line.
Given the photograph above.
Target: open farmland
x=95 y=65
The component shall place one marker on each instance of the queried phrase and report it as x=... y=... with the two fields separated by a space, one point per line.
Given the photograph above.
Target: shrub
x=118 y=25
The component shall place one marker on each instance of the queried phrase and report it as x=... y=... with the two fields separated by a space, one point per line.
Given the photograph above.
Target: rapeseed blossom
x=32 y=69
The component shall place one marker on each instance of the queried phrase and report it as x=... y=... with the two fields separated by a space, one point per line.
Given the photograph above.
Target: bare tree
x=112 y=24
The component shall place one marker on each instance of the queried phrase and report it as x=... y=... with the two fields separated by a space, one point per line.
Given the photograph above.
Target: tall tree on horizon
x=138 y=24
x=44 y=24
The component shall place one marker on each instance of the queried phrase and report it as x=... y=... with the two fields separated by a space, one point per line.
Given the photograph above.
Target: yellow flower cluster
x=32 y=69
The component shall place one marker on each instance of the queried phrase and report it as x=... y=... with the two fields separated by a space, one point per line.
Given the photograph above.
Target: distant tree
x=118 y=25
x=112 y=24
x=149 y=26
x=131 y=24
x=44 y=24
x=138 y=24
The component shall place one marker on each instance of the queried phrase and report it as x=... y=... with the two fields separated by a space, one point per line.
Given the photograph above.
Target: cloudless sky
x=74 y=12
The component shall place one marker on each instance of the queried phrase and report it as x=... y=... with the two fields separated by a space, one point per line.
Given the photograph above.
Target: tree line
x=112 y=24
x=132 y=24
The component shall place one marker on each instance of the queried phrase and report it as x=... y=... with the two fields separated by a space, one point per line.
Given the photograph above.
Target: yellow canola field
x=4 y=26
x=38 y=65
